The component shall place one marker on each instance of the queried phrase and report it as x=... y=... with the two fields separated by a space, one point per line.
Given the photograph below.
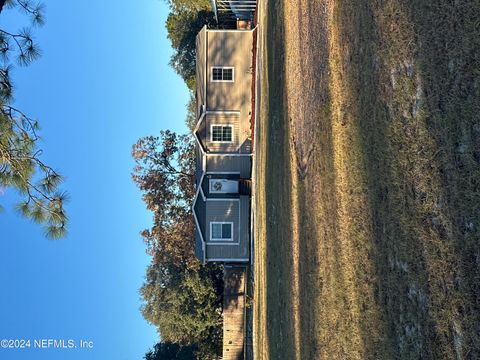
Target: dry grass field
x=368 y=180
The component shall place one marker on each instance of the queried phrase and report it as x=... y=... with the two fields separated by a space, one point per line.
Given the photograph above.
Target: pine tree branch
x=24 y=4
x=20 y=165
x=28 y=40
x=9 y=111
x=30 y=185
x=2 y=4
x=36 y=11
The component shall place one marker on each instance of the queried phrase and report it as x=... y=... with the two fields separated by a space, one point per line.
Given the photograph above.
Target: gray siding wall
x=223 y=211
x=198 y=245
x=242 y=249
x=245 y=226
x=232 y=49
x=200 y=210
x=241 y=164
x=225 y=252
x=227 y=48
x=198 y=164
x=220 y=119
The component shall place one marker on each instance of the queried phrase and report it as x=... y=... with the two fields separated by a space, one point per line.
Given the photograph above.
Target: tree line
x=181 y=297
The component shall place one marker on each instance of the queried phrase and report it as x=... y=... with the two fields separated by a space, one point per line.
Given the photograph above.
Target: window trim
x=221 y=223
x=220 y=141
x=223 y=68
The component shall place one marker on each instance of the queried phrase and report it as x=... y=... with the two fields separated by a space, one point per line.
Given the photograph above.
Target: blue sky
x=102 y=82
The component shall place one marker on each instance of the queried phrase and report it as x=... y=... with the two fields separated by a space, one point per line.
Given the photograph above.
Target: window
x=221 y=231
x=222 y=73
x=222 y=133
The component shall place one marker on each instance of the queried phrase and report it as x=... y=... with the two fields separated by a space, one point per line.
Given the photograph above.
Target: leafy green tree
x=171 y=351
x=20 y=165
x=189 y=5
x=183 y=27
x=185 y=306
x=191 y=120
x=186 y=19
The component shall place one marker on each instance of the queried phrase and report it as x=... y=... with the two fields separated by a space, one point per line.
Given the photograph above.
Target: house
x=225 y=98
x=223 y=137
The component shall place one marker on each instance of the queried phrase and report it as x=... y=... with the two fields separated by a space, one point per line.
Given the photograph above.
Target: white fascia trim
x=255 y=147
x=199 y=190
x=225 y=112
x=200 y=119
x=195 y=199
x=223 y=199
x=199 y=143
x=204 y=250
x=227 y=154
x=232 y=30
x=213 y=243
x=205 y=63
x=229 y=260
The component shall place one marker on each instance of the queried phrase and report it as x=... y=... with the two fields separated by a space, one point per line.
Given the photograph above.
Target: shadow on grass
x=313 y=148
x=278 y=263
x=449 y=60
x=414 y=92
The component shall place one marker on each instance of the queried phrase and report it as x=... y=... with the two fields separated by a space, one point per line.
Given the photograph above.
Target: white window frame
x=220 y=141
x=221 y=223
x=223 y=68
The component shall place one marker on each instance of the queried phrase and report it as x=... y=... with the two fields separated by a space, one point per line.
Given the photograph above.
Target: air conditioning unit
x=217 y=185
x=223 y=186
